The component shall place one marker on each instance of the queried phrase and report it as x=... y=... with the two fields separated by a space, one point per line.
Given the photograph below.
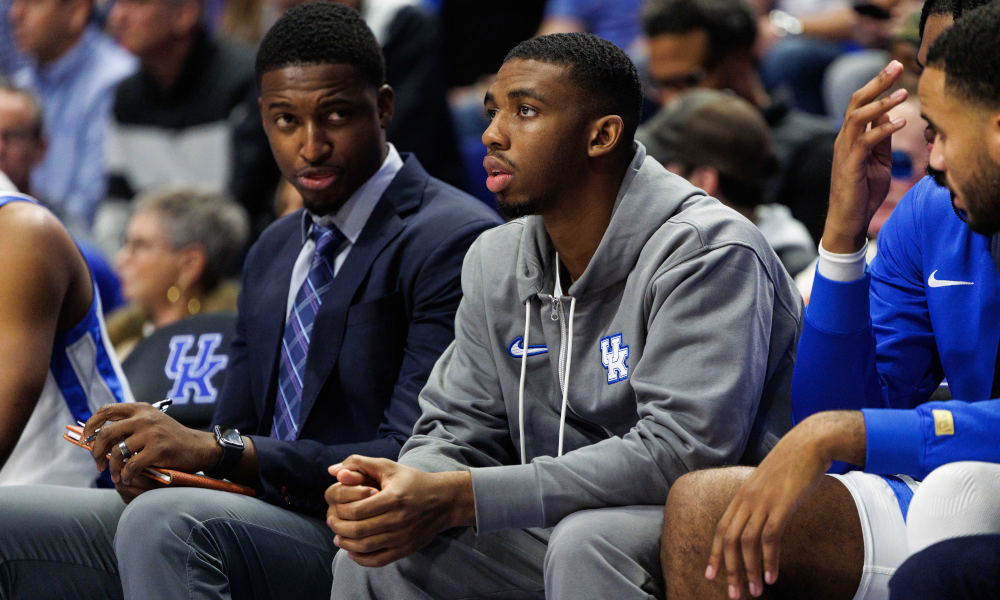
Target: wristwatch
x=232 y=449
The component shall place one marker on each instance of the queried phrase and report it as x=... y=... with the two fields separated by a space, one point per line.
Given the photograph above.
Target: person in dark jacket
x=345 y=307
x=188 y=117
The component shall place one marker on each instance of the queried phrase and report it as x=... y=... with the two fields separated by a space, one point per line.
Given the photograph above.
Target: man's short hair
x=955 y=8
x=608 y=80
x=711 y=128
x=969 y=54
x=35 y=105
x=322 y=33
x=730 y=24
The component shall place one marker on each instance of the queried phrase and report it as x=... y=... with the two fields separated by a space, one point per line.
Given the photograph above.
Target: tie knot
x=326 y=238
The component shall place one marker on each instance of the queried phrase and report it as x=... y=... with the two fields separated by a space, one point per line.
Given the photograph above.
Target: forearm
x=838 y=435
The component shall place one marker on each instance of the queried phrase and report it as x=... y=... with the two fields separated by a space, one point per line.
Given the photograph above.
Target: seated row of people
x=383 y=376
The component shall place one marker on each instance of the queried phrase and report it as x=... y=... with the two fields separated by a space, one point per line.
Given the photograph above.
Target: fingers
x=715 y=557
x=750 y=548
x=731 y=551
x=372 y=543
x=118 y=463
x=139 y=486
x=339 y=493
x=111 y=433
x=348 y=477
x=376 y=468
x=876 y=87
x=109 y=412
x=878 y=139
x=360 y=529
x=771 y=547
x=859 y=119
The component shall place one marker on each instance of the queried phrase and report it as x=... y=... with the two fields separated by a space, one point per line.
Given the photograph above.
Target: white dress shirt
x=350 y=219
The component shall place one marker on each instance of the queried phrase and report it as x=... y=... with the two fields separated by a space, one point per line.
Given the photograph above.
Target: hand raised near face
x=862 y=162
x=152 y=439
x=382 y=511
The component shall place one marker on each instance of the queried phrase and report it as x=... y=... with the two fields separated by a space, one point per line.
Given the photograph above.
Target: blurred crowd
x=136 y=121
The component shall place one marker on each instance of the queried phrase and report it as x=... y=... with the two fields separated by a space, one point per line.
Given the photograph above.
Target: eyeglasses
x=681 y=82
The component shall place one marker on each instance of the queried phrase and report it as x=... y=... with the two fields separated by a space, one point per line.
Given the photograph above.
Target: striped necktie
x=298 y=331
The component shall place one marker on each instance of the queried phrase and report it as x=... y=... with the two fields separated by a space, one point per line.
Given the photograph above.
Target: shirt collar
x=351 y=218
x=69 y=63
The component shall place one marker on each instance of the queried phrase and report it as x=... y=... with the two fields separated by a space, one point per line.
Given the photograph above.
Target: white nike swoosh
x=934 y=282
x=516 y=349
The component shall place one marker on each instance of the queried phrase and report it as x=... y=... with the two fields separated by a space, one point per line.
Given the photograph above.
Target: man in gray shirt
x=628 y=330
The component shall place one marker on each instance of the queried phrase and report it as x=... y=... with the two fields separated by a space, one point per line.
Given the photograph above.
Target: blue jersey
x=84 y=374
x=927 y=308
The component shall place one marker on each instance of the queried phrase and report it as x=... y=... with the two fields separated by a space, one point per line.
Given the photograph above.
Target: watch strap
x=230 y=458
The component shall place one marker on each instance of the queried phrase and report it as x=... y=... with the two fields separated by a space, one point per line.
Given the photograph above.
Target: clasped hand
x=154 y=440
x=382 y=511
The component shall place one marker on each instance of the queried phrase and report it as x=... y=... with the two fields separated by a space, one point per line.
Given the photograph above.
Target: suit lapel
x=385 y=223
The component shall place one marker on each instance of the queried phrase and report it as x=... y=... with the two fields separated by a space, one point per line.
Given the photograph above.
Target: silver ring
x=126 y=453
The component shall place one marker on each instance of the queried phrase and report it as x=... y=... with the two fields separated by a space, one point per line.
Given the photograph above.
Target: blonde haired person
x=180 y=247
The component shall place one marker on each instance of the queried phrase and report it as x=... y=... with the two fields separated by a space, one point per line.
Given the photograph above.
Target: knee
x=957 y=499
x=574 y=539
x=154 y=521
x=931 y=573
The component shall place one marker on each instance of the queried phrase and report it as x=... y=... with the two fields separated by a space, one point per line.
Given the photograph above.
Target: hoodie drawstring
x=565 y=386
x=524 y=368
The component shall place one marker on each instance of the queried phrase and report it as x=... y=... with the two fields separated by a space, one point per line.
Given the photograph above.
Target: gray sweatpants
x=602 y=553
x=61 y=543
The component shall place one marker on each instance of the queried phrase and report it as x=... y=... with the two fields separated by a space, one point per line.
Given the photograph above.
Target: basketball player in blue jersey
x=56 y=365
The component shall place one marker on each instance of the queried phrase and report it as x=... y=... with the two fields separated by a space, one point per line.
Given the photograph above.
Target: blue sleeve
x=914 y=442
x=869 y=344
x=835 y=364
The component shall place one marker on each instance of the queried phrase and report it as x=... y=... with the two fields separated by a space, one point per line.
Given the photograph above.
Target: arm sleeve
x=869 y=343
x=916 y=441
x=463 y=420
x=91 y=181
x=687 y=421
x=235 y=406
x=294 y=473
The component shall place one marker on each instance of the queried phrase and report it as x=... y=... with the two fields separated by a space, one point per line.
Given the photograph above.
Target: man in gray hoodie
x=631 y=329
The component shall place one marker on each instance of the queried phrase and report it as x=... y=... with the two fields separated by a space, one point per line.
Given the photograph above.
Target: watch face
x=231 y=437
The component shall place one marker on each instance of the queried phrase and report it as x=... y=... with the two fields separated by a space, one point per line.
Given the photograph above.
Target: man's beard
x=512 y=210
x=981 y=194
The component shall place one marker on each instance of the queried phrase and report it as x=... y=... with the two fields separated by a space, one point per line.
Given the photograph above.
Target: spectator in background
x=181 y=246
x=721 y=144
x=411 y=42
x=21 y=149
x=189 y=117
x=709 y=44
x=74 y=69
x=614 y=20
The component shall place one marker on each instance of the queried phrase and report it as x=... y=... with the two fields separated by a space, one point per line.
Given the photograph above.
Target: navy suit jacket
x=387 y=317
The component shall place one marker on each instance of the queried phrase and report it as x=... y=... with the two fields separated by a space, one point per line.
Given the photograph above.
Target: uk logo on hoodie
x=613 y=356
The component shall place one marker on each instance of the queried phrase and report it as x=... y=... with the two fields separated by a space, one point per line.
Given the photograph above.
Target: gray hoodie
x=672 y=352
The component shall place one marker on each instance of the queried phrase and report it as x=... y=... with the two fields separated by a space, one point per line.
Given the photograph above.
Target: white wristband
x=842 y=267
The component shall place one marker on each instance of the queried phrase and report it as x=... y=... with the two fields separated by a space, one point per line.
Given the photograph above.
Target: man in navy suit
x=345 y=308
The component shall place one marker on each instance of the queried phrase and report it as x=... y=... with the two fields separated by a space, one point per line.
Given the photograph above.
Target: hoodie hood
x=648 y=196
